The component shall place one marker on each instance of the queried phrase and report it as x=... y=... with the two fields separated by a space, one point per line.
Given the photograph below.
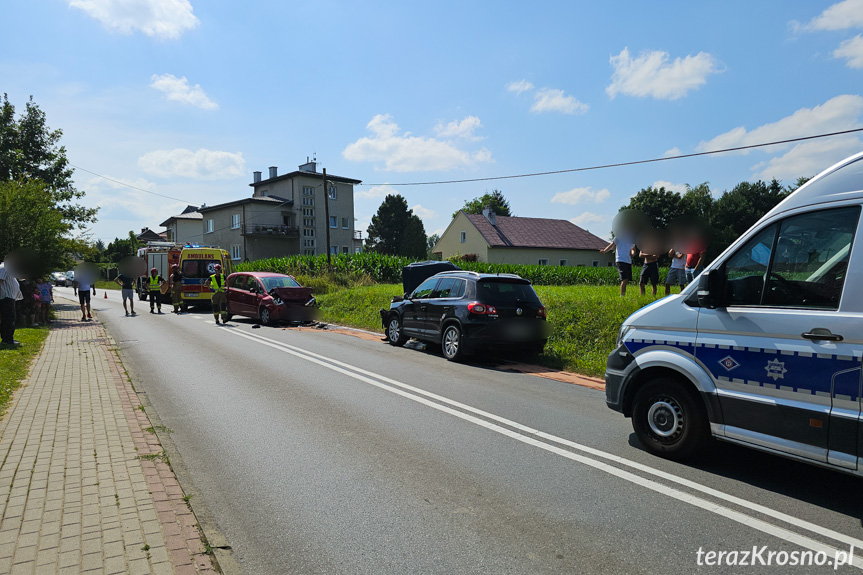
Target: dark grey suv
x=468 y=311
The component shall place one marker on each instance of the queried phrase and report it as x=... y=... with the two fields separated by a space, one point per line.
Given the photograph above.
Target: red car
x=270 y=298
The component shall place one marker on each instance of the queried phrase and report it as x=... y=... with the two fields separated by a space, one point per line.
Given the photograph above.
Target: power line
x=620 y=164
x=130 y=185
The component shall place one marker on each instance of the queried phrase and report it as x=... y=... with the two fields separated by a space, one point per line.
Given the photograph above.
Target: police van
x=764 y=349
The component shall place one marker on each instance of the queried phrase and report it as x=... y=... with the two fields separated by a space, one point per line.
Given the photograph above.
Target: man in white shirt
x=10 y=292
x=677 y=271
x=622 y=245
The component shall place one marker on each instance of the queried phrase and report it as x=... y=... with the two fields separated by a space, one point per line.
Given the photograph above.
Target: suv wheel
x=395 y=335
x=669 y=419
x=451 y=343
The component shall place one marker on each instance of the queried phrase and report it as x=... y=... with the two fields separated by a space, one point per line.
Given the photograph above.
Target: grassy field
x=14 y=363
x=106 y=285
x=584 y=319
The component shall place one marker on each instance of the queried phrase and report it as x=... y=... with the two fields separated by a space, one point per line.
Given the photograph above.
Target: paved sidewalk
x=84 y=485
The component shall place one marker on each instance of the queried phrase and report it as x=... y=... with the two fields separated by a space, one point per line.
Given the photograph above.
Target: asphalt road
x=325 y=453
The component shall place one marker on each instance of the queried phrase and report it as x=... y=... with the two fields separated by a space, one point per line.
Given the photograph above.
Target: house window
x=309 y=222
x=309 y=243
x=334 y=250
x=462 y=236
x=345 y=225
x=308 y=200
x=563 y=262
x=210 y=227
x=345 y=249
x=331 y=192
x=334 y=222
x=542 y=262
x=308 y=191
x=235 y=221
x=309 y=252
x=265 y=192
x=610 y=264
x=235 y=252
x=309 y=232
x=309 y=212
x=358 y=250
x=596 y=263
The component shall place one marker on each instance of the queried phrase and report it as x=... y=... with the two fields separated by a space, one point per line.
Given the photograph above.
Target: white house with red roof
x=526 y=241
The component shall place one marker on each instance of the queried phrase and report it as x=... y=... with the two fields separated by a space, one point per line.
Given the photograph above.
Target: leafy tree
x=30 y=219
x=396 y=230
x=119 y=249
x=30 y=150
x=432 y=241
x=661 y=206
x=495 y=200
x=100 y=246
x=697 y=201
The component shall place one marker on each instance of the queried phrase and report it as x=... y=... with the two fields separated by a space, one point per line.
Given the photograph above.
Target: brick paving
x=84 y=486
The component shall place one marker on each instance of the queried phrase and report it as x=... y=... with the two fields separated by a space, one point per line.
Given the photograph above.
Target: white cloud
x=581 y=196
x=679 y=188
x=807 y=159
x=852 y=50
x=164 y=19
x=178 y=90
x=554 y=100
x=402 y=152
x=459 y=129
x=199 y=164
x=587 y=218
x=423 y=213
x=117 y=200
x=837 y=114
x=839 y=16
x=375 y=192
x=519 y=86
x=651 y=74
x=675 y=151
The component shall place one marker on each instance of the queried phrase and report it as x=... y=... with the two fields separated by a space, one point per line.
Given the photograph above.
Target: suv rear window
x=498 y=292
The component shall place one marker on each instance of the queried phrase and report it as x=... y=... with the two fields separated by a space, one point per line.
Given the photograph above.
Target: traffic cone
x=106 y=293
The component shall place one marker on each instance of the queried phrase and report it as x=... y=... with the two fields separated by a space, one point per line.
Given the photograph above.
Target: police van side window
x=811 y=259
x=745 y=270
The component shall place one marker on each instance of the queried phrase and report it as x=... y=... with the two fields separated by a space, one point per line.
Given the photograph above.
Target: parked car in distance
x=467 y=312
x=270 y=298
x=59 y=279
x=70 y=277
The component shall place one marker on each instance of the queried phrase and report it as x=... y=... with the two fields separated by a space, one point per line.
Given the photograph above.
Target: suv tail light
x=481 y=308
x=541 y=312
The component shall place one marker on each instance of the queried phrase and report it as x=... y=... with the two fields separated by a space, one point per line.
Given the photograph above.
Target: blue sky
x=186 y=98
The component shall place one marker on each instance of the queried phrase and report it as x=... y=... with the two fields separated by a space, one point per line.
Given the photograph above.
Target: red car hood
x=293 y=295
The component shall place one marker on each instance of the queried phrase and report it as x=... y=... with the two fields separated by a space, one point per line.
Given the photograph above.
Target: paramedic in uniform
x=156 y=282
x=217 y=284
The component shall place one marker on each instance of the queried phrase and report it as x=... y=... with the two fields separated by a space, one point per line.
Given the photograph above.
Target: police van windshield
x=199 y=268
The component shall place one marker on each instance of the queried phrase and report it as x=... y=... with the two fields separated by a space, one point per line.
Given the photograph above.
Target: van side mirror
x=711 y=287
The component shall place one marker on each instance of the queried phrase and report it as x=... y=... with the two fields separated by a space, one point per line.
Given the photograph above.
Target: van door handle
x=822 y=334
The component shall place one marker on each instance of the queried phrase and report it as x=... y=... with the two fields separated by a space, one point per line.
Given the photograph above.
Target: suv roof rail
x=447 y=272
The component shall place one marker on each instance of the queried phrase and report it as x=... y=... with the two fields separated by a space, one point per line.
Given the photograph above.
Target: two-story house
x=285 y=216
x=184 y=228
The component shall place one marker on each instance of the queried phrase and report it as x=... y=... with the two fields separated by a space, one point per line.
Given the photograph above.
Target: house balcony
x=270 y=230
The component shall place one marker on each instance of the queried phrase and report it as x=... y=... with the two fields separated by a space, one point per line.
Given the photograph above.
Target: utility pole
x=327 y=218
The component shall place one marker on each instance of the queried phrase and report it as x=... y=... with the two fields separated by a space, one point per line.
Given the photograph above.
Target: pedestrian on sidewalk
x=156 y=282
x=217 y=284
x=127 y=291
x=10 y=292
x=46 y=297
x=83 y=290
x=176 y=287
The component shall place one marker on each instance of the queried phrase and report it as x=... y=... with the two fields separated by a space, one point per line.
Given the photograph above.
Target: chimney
x=490 y=215
x=256 y=177
x=274 y=171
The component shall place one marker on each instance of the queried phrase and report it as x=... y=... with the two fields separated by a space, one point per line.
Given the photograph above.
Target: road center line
x=415 y=394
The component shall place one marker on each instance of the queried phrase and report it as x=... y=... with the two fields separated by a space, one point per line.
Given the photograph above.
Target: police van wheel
x=669 y=419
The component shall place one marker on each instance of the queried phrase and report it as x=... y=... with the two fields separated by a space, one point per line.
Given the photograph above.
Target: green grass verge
x=101 y=284
x=14 y=363
x=584 y=319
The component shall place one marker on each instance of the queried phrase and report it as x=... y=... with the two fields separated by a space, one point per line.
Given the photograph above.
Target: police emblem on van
x=776 y=369
x=729 y=363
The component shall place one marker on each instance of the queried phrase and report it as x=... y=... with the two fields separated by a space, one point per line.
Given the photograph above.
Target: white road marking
x=413 y=393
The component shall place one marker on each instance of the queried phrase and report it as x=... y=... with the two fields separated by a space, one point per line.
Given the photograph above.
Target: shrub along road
x=319 y=452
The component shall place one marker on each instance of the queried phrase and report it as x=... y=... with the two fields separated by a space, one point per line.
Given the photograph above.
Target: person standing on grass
x=10 y=292
x=649 y=271
x=176 y=287
x=127 y=290
x=82 y=289
x=155 y=283
x=623 y=248
x=217 y=284
x=46 y=297
x=677 y=271
x=694 y=263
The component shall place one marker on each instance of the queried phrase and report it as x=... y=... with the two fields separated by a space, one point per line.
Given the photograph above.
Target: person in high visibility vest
x=156 y=282
x=217 y=284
